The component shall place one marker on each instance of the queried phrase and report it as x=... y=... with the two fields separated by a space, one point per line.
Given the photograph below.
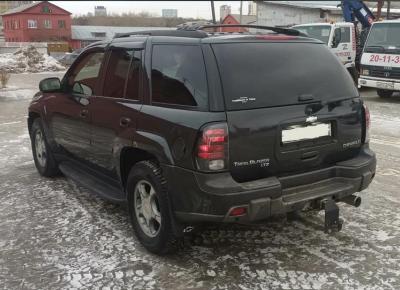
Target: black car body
x=233 y=127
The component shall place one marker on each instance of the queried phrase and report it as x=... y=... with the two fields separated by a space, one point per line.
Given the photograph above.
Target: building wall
x=169 y=13
x=16 y=25
x=231 y=20
x=271 y=14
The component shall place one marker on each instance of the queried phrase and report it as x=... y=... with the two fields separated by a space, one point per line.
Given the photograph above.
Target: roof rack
x=279 y=30
x=176 y=33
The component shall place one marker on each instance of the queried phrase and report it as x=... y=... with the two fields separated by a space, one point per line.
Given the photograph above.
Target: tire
x=384 y=93
x=150 y=211
x=42 y=154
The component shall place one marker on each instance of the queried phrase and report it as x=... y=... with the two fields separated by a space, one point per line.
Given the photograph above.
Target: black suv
x=193 y=126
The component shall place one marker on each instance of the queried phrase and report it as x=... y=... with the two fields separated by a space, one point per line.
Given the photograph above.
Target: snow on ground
x=55 y=234
x=28 y=59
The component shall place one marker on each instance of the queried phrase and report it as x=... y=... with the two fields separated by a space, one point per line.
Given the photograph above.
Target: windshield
x=256 y=75
x=384 y=35
x=320 y=32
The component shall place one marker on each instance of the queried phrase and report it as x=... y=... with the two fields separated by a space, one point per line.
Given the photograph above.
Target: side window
x=132 y=87
x=84 y=76
x=345 y=34
x=117 y=71
x=178 y=75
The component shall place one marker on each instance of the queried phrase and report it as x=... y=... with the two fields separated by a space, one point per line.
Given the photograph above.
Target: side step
x=96 y=184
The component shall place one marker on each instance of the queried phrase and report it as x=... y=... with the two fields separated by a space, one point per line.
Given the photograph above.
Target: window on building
x=61 y=23
x=46 y=9
x=47 y=23
x=16 y=24
x=132 y=87
x=178 y=75
x=32 y=23
x=117 y=72
x=98 y=34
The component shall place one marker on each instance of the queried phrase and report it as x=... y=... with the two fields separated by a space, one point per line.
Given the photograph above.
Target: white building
x=224 y=10
x=288 y=13
x=100 y=11
x=252 y=8
x=169 y=13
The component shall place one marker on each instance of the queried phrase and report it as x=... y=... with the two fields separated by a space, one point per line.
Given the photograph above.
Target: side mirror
x=50 y=85
x=337 y=37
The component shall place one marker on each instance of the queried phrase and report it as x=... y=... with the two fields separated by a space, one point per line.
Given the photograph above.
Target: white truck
x=380 y=60
x=340 y=37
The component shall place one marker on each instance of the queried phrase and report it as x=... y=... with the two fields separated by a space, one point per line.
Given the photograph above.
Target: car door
x=68 y=113
x=114 y=113
x=343 y=48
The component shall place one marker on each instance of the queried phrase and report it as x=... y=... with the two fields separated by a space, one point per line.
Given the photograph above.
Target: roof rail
x=280 y=30
x=175 y=33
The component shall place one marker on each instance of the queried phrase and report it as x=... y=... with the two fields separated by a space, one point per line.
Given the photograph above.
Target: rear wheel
x=42 y=155
x=149 y=208
x=384 y=93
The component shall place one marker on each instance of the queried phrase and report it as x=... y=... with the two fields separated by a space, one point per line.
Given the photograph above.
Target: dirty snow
x=29 y=59
x=55 y=234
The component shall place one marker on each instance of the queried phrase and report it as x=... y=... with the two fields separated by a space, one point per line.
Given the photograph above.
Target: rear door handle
x=124 y=122
x=83 y=113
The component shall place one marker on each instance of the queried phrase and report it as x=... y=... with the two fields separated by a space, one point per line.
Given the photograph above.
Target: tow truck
x=380 y=60
x=340 y=37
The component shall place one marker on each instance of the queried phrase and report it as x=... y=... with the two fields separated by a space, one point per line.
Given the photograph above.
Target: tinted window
x=117 y=72
x=83 y=78
x=132 y=87
x=178 y=75
x=256 y=75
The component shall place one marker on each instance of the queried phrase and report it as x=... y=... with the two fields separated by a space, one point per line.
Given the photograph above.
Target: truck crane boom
x=357 y=10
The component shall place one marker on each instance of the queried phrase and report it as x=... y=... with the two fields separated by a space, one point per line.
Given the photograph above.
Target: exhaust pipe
x=352 y=200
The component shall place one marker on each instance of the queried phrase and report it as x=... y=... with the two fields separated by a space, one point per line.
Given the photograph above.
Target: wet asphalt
x=55 y=234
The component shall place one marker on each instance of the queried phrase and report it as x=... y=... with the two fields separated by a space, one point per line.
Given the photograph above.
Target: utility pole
x=241 y=6
x=213 y=12
x=388 y=10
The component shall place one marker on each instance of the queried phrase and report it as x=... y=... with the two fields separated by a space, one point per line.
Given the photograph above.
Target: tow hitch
x=332 y=220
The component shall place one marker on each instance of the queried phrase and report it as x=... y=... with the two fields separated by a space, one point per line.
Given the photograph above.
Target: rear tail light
x=212 y=148
x=238 y=211
x=367 y=118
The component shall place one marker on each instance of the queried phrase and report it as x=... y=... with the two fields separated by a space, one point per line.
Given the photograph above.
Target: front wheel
x=149 y=208
x=42 y=155
x=384 y=93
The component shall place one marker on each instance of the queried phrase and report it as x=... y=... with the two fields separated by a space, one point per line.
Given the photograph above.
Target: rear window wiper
x=372 y=48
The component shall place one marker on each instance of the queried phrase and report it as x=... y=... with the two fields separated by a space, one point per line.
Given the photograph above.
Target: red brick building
x=36 y=22
x=235 y=19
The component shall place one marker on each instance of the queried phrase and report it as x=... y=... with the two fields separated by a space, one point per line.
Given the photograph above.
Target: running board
x=93 y=183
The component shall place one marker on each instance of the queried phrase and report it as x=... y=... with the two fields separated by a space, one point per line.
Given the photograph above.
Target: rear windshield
x=256 y=75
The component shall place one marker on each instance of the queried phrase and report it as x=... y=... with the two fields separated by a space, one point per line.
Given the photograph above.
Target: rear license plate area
x=306 y=132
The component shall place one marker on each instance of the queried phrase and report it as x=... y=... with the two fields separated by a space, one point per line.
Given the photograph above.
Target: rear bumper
x=198 y=197
x=379 y=83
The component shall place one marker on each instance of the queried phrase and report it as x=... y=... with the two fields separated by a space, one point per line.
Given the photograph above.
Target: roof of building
x=27 y=6
x=83 y=32
x=246 y=19
x=326 y=5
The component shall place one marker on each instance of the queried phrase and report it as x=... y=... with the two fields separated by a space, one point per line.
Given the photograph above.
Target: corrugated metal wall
x=278 y=15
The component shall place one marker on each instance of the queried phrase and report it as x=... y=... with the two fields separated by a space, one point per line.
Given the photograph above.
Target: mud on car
x=193 y=126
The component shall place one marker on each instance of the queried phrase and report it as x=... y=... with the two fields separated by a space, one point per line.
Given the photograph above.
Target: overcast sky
x=194 y=9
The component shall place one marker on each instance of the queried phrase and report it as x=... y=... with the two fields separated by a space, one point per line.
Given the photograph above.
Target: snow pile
x=28 y=59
